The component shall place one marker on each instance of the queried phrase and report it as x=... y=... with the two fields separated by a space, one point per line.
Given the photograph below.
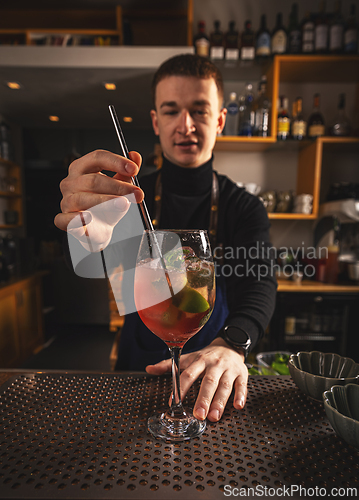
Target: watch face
x=236 y=335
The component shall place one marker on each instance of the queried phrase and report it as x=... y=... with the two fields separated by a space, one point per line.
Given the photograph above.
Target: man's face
x=187 y=119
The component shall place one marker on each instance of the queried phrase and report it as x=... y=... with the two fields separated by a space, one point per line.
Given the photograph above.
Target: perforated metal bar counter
x=83 y=436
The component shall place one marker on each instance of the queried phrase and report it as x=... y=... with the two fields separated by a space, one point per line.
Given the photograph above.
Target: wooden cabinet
x=21 y=326
x=297 y=71
x=161 y=23
x=10 y=195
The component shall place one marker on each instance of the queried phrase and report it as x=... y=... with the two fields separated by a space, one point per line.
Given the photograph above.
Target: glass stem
x=176 y=408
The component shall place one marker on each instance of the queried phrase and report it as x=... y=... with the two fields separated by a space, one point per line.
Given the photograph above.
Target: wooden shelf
x=234 y=143
x=7 y=163
x=83 y=32
x=315 y=287
x=9 y=226
x=169 y=26
x=291 y=216
x=318 y=68
x=239 y=143
x=9 y=194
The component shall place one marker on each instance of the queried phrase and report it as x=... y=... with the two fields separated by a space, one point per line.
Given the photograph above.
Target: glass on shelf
x=8 y=184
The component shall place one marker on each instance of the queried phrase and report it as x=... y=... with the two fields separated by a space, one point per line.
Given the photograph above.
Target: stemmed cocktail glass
x=174 y=296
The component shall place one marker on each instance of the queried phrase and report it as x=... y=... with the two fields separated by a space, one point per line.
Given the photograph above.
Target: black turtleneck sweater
x=243 y=230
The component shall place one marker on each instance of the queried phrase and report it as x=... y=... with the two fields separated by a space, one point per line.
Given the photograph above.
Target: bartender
x=186 y=193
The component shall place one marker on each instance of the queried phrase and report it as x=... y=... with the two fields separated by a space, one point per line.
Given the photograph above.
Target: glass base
x=164 y=426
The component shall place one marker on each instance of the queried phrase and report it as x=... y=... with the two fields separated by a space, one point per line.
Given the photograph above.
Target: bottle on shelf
x=308 y=34
x=316 y=126
x=336 y=30
x=283 y=122
x=5 y=143
x=351 y=32
x=247 y=43
x=232 y=118
x=246 y=118
x=231 y=43
x=321 y=30
x=341 y=126
x=299 y=125
x=263 y=40
x=4 y=273
x=332 y=262
x=294 y=32
x=201 y=40
x=279 y=37
x=216 y=40
x=246 y=112
x=262 y=110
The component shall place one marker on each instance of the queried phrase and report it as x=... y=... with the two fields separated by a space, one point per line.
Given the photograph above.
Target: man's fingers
x=63 y=220
x=136 y=157
x=100 y=183
x=220 y=398
x=79 y=202
x=99 y=160
x=192 y=368
x=159 y=368
x=109 y=212
x=206 y=393
x=240 y=392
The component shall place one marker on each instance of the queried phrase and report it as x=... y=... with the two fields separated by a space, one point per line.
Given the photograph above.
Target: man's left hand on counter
x=221 y=369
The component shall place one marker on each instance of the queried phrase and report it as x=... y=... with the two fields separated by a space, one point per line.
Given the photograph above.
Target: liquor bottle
x=201 y=40
x=262 y=109
x=341 y=126
x=5 y=148
x=4 y=273
x=316 y=127
x=294 y=32
x=232 y=43
x=351 y=33
x=216 y=40
x=321 y=30
x=247 y=42
x=231 y=127
x=263 y=40
x=336 y=31
x=332 y=262
x=294 y=115
x=283 y=123
x=299 y=125
x=246 y=121
x=308 y=34
x=279 y=37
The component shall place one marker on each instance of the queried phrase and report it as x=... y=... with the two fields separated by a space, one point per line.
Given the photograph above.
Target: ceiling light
x=110 y=86
x=13 y=85
x=54 y=118
x=127 y=119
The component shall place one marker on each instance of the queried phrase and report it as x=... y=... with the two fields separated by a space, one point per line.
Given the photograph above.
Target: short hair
x=188 y=65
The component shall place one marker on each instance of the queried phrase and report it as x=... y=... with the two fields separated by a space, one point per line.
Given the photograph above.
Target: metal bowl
x=341 y=404
x=315 y=372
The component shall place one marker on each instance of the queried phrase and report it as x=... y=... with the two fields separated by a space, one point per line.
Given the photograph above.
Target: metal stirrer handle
x=125 y=152
x=143 y=206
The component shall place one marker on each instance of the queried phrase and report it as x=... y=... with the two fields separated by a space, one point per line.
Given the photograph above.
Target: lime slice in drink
x=191 y=301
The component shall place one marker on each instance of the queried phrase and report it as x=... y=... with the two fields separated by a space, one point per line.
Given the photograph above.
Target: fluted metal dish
x=341 y=405
x=315 y=372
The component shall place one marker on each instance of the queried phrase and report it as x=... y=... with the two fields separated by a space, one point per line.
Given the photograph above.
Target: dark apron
x=139 y=347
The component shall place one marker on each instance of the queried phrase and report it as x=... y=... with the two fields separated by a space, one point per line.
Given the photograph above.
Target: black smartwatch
x=236 y=338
